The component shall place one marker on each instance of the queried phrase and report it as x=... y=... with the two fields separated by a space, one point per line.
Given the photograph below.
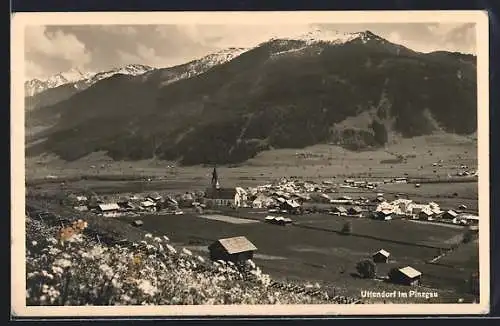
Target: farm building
x=124 y=204
x=154 y=197
x=241 y=197
x=82 y=199
x=468 y=219
x=406 y=275
x=109 y=210
x=316 y=207
x=381 y=256
x=269 y=219
x=234 y=249
x=320 y=198
x=94 y=202
x=383 y=215
x=291 y=206
x=340 y=209
x=262 y=201
x=168 y=203
x=355 y=211
x=185 y=200
x=148 y=205
x=403 y=205
x=449 y=215
x=425 y=215
x=81 y=208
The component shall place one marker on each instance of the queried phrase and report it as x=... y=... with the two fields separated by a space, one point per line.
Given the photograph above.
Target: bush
x=366 y=268
x=347 y=228
x=67 y=267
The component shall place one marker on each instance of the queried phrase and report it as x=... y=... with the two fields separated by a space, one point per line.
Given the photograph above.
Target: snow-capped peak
x=203 y=64
x=79 y=79
x=328 y=36
x=223 y=55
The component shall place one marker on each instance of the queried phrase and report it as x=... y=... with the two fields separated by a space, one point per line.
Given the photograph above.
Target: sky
x=93 y=48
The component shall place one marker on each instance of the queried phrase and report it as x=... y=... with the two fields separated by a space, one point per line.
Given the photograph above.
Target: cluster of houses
x=287 y=196
x=406 y=208
x=125 y=204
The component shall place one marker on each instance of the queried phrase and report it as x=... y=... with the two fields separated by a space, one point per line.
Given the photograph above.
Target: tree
x=346 y=228
x=366 y=268
x=468 y=235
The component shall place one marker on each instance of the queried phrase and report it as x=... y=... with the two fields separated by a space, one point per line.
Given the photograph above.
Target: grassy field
x=311 y=254
x=321 y=161
x=466 y=256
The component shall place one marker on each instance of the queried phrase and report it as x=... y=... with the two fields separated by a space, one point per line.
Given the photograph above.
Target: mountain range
x=356 y=90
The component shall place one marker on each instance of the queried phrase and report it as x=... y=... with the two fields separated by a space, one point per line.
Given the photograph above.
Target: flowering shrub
x=65 y=267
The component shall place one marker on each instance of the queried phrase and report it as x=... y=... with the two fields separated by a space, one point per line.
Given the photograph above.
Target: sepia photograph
x=250 y=163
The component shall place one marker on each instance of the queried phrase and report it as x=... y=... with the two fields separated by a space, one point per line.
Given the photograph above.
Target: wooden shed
x=406 y=275
x=232 y=249
x=381 y=256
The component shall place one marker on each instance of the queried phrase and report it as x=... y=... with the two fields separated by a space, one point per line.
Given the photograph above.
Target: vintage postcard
x=250 y=163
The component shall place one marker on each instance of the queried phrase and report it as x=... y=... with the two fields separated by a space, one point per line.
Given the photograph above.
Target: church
x=216 y=195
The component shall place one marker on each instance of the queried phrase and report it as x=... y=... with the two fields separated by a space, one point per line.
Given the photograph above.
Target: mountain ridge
x=259 y=100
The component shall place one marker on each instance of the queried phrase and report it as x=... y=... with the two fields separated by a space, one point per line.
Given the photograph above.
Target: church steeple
x=215 y=179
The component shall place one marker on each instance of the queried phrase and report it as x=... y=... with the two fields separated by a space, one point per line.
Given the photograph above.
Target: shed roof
x=410 y=272
x=382 y=252
x=237 y=244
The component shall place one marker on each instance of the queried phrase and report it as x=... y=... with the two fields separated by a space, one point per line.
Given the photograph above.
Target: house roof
x=452 y=213
x=341 y=209
x=155 y=196
x=383 y=252
x=237 y=244
x=109 y=207
x=147 y=203
x=293 y=203
x=356 y=209
x=81 y=198
x=410 y=272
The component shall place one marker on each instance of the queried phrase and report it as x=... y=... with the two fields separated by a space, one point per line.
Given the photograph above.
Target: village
x=293 y=197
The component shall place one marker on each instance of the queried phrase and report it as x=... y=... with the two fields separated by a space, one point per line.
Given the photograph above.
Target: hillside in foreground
x=281 y=94
x=66 y=267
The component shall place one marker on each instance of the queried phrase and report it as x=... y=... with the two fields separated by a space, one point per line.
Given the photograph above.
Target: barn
x=108 y=210
x=381 y=256
x=406 y=275
x=235 y=249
